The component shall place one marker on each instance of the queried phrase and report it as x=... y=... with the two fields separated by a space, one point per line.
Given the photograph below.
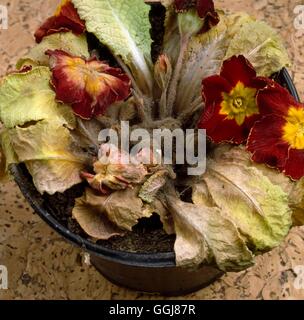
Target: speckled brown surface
x=42 y=265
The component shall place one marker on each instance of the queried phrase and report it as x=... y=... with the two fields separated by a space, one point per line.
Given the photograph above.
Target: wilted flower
x=278 y=138
x=65 y=19
x=163 y=71
x=90 y=86
x=231 y=107
x=115 y=171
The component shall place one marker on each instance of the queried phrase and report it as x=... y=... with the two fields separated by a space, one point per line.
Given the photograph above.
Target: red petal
x=205 y=7
x=182 y=5
x=238 y=69
x=206 y=10
x=213 y=87
x=67 y=19
x=265 y=142
x=89 y=86
x=211 y=20
x=219 y=129
x=294 y=167
x=275 y=99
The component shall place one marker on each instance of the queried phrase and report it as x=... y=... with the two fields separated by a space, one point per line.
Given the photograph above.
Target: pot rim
x=150 y=260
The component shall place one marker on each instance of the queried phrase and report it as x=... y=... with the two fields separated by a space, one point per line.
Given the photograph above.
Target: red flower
x=231 y=108
x=90 y=86
x=205 y=10
x=65 y=19
x=278 y=138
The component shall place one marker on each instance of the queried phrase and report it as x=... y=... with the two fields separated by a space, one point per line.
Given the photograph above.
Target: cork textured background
x=42 y=265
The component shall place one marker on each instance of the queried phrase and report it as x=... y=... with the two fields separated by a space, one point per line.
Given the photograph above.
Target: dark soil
x=147 y=236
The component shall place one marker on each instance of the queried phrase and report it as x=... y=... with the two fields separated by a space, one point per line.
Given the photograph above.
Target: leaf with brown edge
x=28 y=96
x=68 y=41
x=259 y=208
x=294 y=189
x=7 y=154
x=153 y=185
x=124 y=208
x=296 y=199
x=205 y=235
x=46 y=149
x=90 y=214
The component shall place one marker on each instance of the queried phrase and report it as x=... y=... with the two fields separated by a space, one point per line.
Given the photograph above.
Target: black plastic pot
x=154 y=273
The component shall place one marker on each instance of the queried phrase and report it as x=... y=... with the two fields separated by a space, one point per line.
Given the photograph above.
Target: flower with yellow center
x=239 y=103
x=277 y=139
x=294 y=128
x=231 y=108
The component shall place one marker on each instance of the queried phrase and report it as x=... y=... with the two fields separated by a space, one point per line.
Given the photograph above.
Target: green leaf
x=259 y=208
x=67 y=41
x=26 y=97
x=124 y=27
x=47 y=150
x=205 y=235
x=262 y=46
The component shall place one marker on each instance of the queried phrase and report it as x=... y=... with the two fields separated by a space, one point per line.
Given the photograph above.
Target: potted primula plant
x=171 y=64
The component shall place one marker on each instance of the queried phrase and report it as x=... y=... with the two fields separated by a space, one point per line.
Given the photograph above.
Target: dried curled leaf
x=75 y=45
x=45 y=148
x=295 y=190
x=205 y=235
x=165 y=215
x=22 y=102
x=90 y=214
x=296 y=199
x=123 y=208
x=153 y=185
x=262 y=46
x=257 y=207
x=8 y=155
